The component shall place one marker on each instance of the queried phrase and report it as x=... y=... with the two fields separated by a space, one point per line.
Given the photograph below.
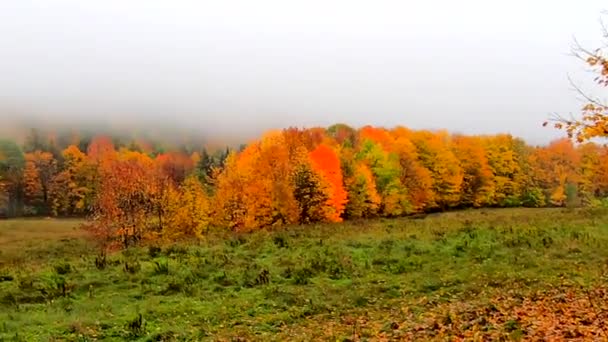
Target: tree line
x=133 y=191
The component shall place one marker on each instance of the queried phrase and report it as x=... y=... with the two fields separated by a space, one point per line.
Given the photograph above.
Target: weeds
x=132 y=267
x=136 y=326
x=154 y=251
x=63 y=268
x=280 y=241
x=101 y=261
x=437 y=274
x=302 y=276
x=6 y=277
x=161 y=267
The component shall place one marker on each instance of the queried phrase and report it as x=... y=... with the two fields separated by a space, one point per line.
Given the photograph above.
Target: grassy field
x=506 y=274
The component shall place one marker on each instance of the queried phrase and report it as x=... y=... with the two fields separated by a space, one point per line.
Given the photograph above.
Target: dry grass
x=23 y=237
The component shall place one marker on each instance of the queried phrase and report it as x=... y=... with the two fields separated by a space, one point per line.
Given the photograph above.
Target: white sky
x=243 y=66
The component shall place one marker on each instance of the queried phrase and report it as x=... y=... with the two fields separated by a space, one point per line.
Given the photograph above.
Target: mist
x=235 y=68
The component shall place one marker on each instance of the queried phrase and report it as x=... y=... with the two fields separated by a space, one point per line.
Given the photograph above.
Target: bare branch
x=595 y=101
x=580 y=52
x=604 y=29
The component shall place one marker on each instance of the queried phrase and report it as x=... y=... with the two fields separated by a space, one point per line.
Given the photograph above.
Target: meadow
x=488 y=274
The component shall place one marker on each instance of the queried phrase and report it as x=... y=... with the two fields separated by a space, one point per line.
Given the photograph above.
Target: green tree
x=12 y=163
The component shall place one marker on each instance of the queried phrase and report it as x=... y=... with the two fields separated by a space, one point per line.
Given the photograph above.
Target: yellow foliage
x=187 y=210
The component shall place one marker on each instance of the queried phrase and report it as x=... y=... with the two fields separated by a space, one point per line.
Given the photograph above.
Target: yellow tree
x=414 y=176
x=255 y=188
x=276 y=165
x=377 y=149
x=478 y=182
x=387 y=171
x=530 y=193
x=363 y=198
x=73 y=187
x=40 y=170
x=435 y=155
x=588 y=181
x=506 y=166
x=229 y=207
x=601 y=175
x=187 y=210
x=556 y=169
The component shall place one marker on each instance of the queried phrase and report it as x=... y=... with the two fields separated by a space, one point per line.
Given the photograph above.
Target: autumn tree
x=588 y=180
x=187 y=210
x=326 y=163
x=363 y=199
x=255 y=189
x=435 y=155
x=229 y=200
x=40 y=171
x=477 y=188
x=556 y=169
x=601 y=174
x=124 y=210
x=386 y=170
x=530 y=192
x=343 y=134
x=414 y=176
x=73 y=189
x=505 y=163
x=175 y=165
x=99 y=148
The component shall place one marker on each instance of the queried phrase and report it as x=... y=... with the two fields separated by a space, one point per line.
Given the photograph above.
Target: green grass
x=328 y=282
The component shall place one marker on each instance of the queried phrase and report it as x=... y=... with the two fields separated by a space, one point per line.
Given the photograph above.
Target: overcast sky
x=242 y=66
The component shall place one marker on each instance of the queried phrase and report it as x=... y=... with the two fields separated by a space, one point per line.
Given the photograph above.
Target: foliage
x=12 y=163
x=39 y=173
x=133 y=190
x=187 y=210
x=73 y=187
x=326 y=162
